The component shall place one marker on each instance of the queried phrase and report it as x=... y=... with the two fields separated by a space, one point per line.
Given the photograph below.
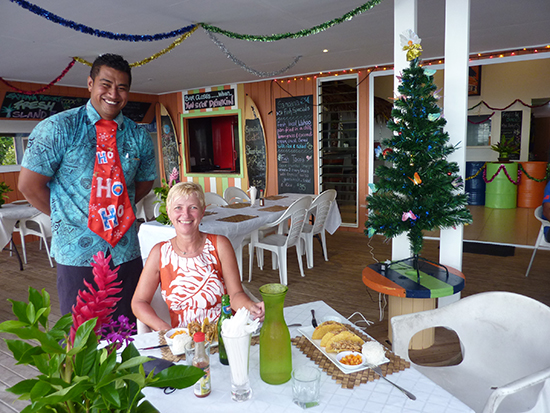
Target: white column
x=405 y=12
x=457 y=41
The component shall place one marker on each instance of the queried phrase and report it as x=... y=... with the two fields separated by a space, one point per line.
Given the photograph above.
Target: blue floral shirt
x=63 y=148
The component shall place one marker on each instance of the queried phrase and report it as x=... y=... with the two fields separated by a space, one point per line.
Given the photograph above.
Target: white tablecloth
x=376 y=397
x=9 y=215
x=150 y=233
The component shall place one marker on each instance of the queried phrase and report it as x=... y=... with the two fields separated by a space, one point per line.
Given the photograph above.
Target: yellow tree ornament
x=410 y=42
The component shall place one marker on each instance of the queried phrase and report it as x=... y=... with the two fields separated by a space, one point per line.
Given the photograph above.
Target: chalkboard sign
x=510 y=127
x=22 y=106
x=209 y=100
x=254 y=146
x=295 y=144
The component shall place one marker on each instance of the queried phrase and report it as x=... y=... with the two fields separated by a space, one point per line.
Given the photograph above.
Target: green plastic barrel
x=500 y=192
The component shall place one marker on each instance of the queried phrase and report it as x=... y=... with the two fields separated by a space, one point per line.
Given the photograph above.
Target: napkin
x=252 y=190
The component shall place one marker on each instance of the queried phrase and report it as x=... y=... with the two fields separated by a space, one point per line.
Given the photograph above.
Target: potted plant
x=77 y=373
x=162 y=192
x=505 y=148
x=4 y=189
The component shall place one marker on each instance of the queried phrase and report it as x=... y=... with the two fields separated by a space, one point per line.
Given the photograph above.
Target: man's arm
x=142 y=189
x=34 y=187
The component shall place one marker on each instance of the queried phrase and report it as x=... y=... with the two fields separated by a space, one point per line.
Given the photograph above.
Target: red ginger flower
x=98 y=303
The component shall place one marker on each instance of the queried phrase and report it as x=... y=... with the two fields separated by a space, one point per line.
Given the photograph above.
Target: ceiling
x=35 y=49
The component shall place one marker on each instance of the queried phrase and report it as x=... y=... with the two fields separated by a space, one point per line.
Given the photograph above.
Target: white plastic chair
x=504 y=339
x=214 y=200
x=235 y=195
x=40 y=226
x=541 y=241
x=319 y=210
x=279 y=243
x=145 y=208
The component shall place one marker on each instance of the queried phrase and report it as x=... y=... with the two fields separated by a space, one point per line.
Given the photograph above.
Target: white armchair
x=504 y=339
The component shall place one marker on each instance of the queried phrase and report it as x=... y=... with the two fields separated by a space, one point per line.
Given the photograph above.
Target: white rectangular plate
x=307 y=332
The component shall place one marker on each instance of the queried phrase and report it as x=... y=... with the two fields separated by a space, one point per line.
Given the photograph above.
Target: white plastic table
x=375 y=397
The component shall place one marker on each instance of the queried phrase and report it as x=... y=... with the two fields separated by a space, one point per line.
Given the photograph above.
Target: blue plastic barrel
x=475 y=187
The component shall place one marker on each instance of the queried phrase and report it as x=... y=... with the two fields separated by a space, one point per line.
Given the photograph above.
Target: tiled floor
x=515 y=226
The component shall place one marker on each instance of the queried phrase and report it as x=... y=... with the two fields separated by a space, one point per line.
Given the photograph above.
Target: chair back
x=540 y=216
x=296 y=212
x=234 y=195
x=43 y=222
x=319 y=209
x=214 y=200
x=145 y=208
x=504 y=337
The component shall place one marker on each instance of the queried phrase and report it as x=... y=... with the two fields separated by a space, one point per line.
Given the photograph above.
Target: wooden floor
x=337 y=281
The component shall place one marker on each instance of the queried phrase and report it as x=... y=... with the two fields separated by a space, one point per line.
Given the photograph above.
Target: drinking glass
x=238 y=351
x=306 y=383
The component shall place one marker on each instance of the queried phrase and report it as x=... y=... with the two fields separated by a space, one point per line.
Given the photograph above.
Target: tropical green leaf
x=146 y=407
x=23 y=352
x=19 y=309
x=23 y=387
x=178 y=377
x=133 y=362
x=82 y=335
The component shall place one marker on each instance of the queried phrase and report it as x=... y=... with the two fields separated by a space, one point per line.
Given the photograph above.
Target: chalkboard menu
x=209 y=100
x=510 y=128
x=22 y=106
x=295 y=144
x=255 y=153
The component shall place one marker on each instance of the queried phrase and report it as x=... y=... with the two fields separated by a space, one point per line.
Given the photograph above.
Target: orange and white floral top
x=192 y=287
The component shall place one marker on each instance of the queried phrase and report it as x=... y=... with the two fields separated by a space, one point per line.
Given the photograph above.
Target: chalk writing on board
x=209 y=100
x=510 y=127
x=255 y=153
x=22 y=106
x=295 y=144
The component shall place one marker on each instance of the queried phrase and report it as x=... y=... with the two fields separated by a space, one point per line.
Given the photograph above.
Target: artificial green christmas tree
x=421 y=190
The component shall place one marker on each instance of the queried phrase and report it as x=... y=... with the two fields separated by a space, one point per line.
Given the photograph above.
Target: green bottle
x=226 y=313
x=275 y=349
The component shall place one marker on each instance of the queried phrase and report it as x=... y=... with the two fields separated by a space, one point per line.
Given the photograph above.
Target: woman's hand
x=257 y=311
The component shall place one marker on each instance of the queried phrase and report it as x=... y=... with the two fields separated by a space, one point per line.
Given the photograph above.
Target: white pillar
x=457 y=41
x=405 y=12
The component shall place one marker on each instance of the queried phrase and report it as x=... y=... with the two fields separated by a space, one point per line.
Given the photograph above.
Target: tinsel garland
x=302 y=33
x=510 y=105
x=482 y=121
x=243 y=65
x=100 y=33
x=42 y=89
x=175 y=43
x=532 y=178
x=501 y=167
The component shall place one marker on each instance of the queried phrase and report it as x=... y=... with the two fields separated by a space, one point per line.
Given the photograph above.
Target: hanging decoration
x=302 y=33
x=510 y=105
x=501 y=168
x=482 y=121
x=175 y=43
x=42 y=89
x=100 y=33
x=243 y=65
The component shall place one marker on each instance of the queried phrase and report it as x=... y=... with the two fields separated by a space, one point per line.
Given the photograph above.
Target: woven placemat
x=274 y=208
x=237 y=205
x=237 y=218
x=349 y=381
x=168 y=355
x=274 y=197
x=209 y=213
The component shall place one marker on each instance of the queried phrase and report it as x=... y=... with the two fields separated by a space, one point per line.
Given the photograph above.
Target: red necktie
x=110 y=212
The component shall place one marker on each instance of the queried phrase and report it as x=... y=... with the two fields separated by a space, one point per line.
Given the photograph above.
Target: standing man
x=86 y=168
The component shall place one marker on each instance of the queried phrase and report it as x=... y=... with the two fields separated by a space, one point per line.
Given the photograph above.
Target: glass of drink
x=306 y=386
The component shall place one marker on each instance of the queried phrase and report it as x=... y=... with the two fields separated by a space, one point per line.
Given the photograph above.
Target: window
x=8 y=155
x=213 y=143
x=479 y=130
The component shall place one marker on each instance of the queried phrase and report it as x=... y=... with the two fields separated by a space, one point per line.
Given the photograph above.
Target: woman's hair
x=185 y=189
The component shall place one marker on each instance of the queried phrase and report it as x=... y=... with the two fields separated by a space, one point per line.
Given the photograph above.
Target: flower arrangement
x=162 y=192
x=4 y=189
x=505 y=148
x=77 y=373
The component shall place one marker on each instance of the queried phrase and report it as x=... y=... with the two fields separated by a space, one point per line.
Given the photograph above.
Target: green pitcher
x=275 y=349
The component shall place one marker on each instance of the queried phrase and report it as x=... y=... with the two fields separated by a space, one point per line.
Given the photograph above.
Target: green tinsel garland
x=302 y=33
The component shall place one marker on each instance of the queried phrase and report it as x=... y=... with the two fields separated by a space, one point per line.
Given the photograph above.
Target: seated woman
x=194 y=269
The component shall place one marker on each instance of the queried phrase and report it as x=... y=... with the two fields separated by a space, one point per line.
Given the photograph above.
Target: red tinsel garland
x=35 y=92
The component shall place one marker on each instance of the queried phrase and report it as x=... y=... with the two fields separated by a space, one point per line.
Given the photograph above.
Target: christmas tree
x=421 y=190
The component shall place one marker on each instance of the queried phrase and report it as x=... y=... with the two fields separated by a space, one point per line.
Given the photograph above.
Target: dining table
x=235 y=221
x=339 y=392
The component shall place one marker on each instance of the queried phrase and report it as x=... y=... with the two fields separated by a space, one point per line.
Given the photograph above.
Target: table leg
x=14 y=248
x=404 y=305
